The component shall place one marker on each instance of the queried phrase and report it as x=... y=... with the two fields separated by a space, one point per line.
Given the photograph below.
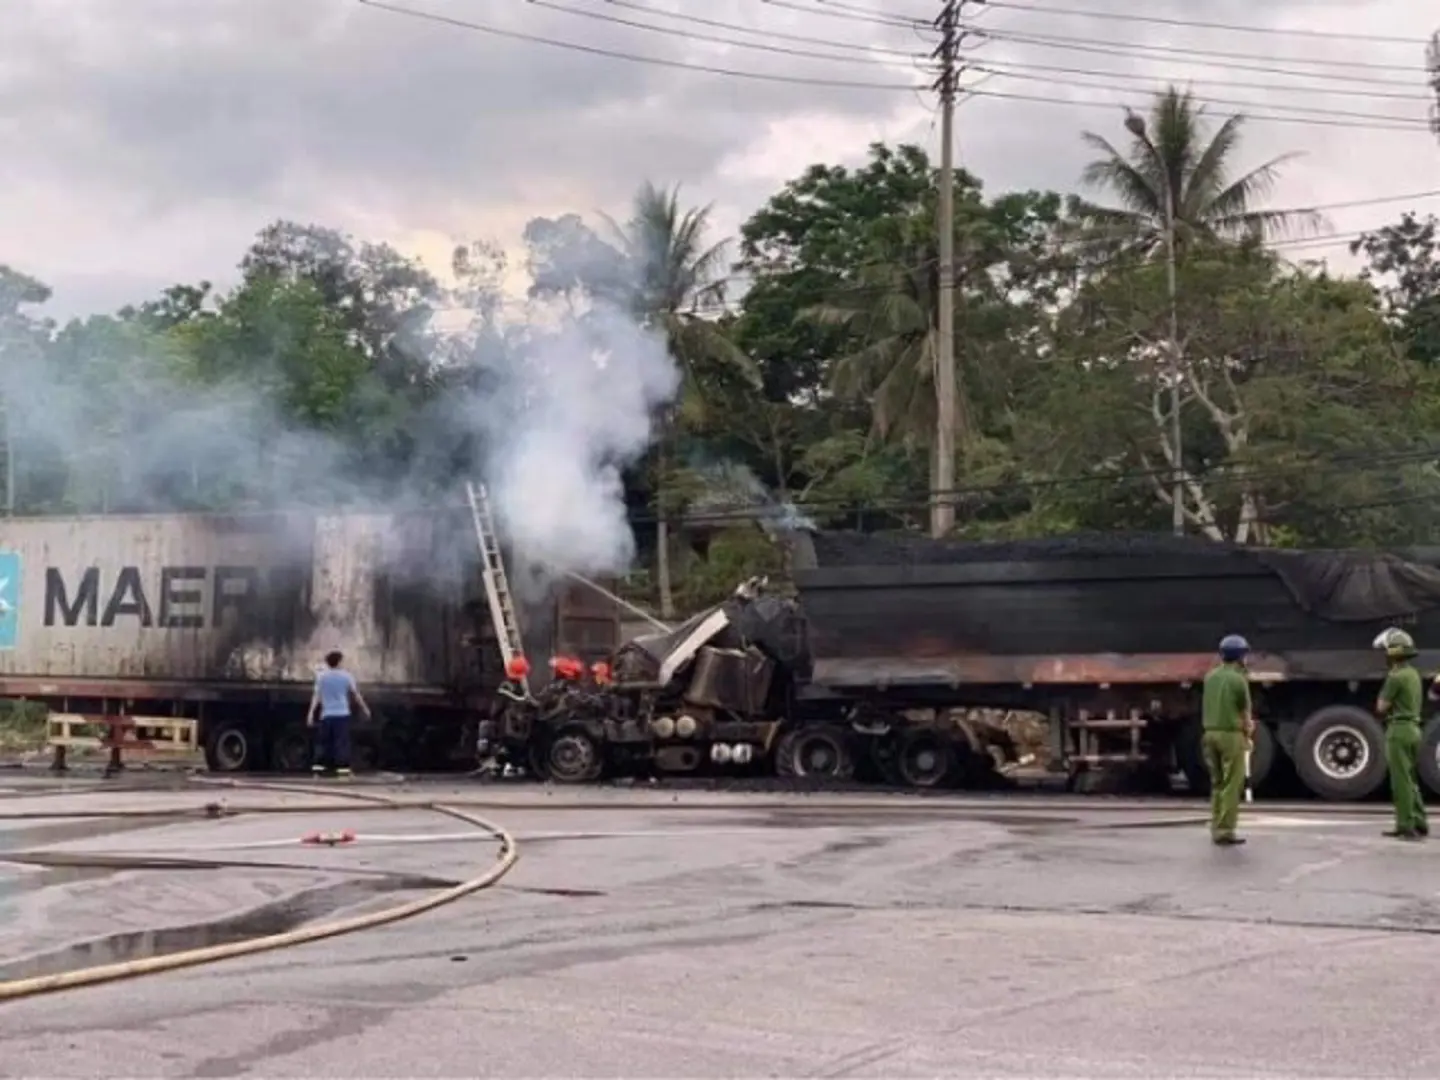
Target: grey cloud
x=321 y=108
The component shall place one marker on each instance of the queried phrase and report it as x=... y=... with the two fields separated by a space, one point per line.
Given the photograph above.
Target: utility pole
x=942 y=507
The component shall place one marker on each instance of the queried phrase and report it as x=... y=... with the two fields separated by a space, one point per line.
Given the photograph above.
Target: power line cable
x=1333 y=114
x=1223 y=65
x=1131 y=76
x=1066 y=40
x=1219 y=480
x=854 y=15
x=1322 y=117
x=690 y=35
x=1233 y=28
x=1028 y=65
x=614 y=54
x=804 y=39
x=1312 y=121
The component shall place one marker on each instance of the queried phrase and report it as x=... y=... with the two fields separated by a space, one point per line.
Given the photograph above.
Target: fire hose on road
x=506 y=858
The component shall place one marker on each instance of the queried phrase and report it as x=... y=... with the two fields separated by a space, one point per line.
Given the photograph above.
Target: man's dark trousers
x=332 y=743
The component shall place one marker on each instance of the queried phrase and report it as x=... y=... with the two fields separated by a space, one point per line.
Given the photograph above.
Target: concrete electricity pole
x=942 y=506
x=1432 y=65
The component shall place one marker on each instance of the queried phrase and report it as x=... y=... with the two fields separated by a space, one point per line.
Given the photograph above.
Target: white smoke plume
x=572 y=406
x=548 y=407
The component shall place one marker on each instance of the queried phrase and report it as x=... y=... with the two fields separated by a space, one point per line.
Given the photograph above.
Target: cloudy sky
x=145 y=141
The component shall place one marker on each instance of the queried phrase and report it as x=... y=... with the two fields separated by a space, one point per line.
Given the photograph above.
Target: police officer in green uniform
x=1229 y=729
x=1399 y=708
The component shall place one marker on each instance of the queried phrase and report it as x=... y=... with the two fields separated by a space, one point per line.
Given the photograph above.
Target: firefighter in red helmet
x=567 y=668
x=512 y=694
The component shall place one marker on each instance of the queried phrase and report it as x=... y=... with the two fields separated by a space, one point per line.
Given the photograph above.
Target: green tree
x=1173 y=172
x=804 y=246
x=280 y=361
x=1004 y=280
x=385 y=301
x=1283 y=371
x=1403 y=262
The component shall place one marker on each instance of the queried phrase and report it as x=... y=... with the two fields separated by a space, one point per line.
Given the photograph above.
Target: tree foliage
x=1307 y=400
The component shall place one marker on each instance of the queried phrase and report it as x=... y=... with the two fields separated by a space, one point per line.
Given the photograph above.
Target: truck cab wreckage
x=729 y=691
x=894 y=653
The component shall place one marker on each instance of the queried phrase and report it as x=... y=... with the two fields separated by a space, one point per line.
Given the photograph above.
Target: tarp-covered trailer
x=224 y=618
x=1110 y=635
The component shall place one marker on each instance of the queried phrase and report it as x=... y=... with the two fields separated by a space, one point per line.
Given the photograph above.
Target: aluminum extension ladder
x=497 y=583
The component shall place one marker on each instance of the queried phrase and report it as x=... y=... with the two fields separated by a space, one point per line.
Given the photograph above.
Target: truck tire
x=1429 y=764
x=1190 y=756
x=230 y=748
x=1340 y=753
x=574 y=757
x=819 y=752
x=291 y=751
x=925 y=758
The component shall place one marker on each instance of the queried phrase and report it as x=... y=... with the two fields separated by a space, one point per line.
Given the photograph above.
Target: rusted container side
x=1114 y=620
x=231 y=599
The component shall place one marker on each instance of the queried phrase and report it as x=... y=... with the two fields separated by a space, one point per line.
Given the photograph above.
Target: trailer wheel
x=573 y=757
x=1190 y=756
x=815 y=753
x=1340 y=753
x=291 y=751
x=926 y=758
x=1429 y=763
x=229 y=749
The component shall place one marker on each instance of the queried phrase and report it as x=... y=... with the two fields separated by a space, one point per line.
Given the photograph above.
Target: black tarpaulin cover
x=1341 y=586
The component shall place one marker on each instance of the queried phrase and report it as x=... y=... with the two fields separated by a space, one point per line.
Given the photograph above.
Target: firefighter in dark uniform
x=511 y=695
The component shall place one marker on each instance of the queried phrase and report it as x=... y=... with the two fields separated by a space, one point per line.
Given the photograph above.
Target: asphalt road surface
x=660 y=935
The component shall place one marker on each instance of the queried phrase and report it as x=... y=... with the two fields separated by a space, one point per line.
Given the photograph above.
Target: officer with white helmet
x=1399 y=707
x=1229 y=730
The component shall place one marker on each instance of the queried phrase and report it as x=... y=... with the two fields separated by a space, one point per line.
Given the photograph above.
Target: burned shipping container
x=130 y=602
x=1097 y=609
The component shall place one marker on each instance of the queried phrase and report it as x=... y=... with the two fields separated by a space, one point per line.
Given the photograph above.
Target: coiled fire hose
x=506 y=858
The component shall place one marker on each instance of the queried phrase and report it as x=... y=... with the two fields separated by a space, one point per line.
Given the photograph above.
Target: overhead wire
x=616 y=54
x=846 y=12
x=1068 y=40
x=1329 y=121
x=691 y=35
x=1278 y=111
x=1198 y=24
x=1352 y=92
x=1217 y=480
x=1324 y=113
x=764 y=31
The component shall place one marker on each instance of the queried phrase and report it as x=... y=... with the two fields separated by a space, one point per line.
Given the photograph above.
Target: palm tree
x=1174 y=174
x=671 y=277
x=891 y=311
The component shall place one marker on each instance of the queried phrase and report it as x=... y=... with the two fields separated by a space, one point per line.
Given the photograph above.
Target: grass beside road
x=22 y=726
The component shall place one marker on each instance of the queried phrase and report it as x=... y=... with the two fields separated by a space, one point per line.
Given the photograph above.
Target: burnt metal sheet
x=849 y=618
x=1092 y=669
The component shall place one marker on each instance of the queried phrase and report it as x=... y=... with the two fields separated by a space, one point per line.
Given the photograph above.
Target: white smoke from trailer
x=573 y=406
